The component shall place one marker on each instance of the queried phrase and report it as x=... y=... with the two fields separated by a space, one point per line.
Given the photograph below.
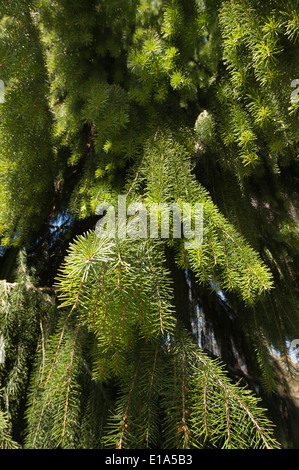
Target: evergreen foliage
x=111 y=342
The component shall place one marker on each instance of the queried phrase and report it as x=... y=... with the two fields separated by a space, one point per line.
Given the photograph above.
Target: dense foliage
x=142 y=342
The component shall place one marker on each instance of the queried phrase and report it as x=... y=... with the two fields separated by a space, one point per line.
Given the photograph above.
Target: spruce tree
x=140 y=342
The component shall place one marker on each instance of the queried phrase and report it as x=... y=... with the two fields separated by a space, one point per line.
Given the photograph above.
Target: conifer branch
x=231 y=393
x=150 y=393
